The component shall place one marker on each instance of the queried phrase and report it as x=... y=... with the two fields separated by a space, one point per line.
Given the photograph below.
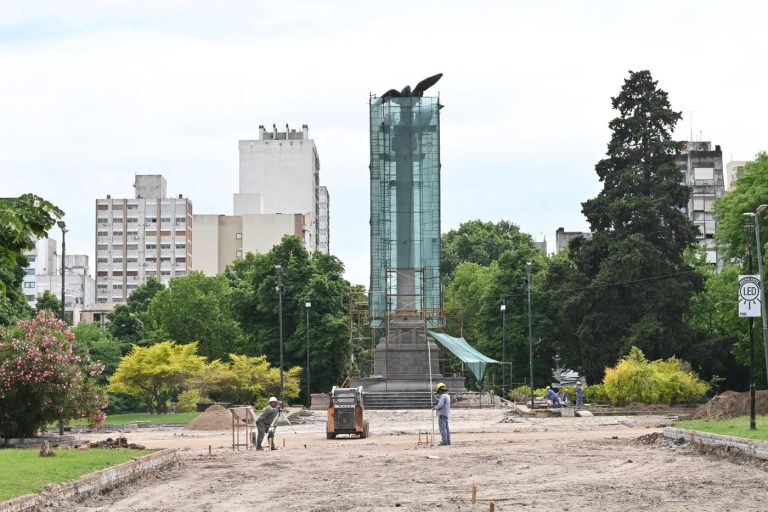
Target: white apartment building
x=733 y=171
x=44 y=273
x=703 y=169
x=147 y=236
x=279 y=194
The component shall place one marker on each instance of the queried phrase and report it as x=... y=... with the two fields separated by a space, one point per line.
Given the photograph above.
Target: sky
x=94 y=92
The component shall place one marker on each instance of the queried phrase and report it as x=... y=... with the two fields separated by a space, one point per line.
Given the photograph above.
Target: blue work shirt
x=443 y=406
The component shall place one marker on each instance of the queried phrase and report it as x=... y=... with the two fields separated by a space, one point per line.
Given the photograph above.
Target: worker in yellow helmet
x=443 y=409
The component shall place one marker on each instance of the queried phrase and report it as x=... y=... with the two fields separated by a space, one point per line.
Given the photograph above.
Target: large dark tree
x=634 y=284
x=318 y=277
x=130 y=322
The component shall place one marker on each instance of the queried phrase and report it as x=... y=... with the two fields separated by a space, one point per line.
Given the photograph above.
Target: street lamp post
x=279 y=270
x=308 y=306
x=64 y=230
x=528 y=267
x=748 y=228
x=758 y=243
x=503 y=349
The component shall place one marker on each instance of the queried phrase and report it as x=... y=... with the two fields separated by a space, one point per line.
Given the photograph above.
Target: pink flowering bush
x=43 y=380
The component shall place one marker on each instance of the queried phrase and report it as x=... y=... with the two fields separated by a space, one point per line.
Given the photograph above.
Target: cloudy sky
x=93 y=92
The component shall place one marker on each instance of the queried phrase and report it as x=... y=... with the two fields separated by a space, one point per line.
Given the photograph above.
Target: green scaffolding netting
x=459 y=347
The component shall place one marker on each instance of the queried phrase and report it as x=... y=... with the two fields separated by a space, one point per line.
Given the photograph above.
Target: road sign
x=749 y=296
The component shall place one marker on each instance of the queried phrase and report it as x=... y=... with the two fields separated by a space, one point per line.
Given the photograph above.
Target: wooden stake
x=492 y=507
x=209 y=449
x=474 y=493
x=283 y=442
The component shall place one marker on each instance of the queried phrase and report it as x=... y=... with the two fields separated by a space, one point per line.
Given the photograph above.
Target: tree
x=129 y=322
x=638 y=283
x=246 y=380
x=21 y=219
x=479 y=242
x=43 y=379
x=751 y=191
x=48 y=302
x=156 y=372
x=196 y=308
x=255 y=305
x=100 y=346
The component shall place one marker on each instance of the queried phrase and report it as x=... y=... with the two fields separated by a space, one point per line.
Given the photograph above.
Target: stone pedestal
x=402 y=361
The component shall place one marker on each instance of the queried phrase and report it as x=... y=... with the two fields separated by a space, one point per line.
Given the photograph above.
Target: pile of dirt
x=730 y=404
x=215 y=417
x=300 y=417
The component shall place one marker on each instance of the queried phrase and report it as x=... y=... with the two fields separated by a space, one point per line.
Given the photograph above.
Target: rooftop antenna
x=690 y=122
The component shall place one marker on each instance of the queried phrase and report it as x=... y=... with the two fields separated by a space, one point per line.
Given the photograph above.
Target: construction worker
x=443 y=408
x=579 y=394
x=264 y=424
x=552 y=395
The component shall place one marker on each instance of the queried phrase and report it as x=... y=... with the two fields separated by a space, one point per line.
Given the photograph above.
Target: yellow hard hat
x=578 y=383
x=439 y=386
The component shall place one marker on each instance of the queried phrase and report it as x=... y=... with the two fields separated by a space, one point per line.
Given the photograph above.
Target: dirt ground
x=518 y=463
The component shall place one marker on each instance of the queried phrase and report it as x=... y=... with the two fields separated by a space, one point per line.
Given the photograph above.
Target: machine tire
x=364 y=433
x=330 y=435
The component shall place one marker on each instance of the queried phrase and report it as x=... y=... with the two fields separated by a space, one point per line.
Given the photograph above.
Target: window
x=132 y=206
x=103 y=221
x=30 y=298
x=181 y=260
x=181 y=246
x=165 y=219
x=29 y=284
x=703 y=173
x=117 y=233
x=151 y=233
x=30 y=271
x=132 y=273
x=117 y=247
x=101 y=286
x=151 y=273
x=102 y=247
x=151 y=219
x=132 y=220
x=238 y=236
x=165 y=259
x=132 y=233
x=102 y=207
x=102 y=273
x=151 y=260
x=31 y=258
x=102 y=260
x=165 y=233
x=117 y=260
x=165 y=272
x=181 y=272
x=102 y=233
x=180 y=220
x=239 y=253
x=131 y=260
x=132 y=247
x=117 y=273
x=181 y=233
x=165 y=246
x=151 y=246
x=117 y=207
x=117 y=286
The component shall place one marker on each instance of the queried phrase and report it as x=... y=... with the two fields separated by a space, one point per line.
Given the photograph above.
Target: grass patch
x=737 y=427
x=23 y=471
x=152 y=419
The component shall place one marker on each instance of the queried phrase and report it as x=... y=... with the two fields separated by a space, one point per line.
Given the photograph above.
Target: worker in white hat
x=264 y=422
x=443 y=409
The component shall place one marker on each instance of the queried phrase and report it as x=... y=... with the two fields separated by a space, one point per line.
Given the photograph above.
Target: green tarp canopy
x=459 y=347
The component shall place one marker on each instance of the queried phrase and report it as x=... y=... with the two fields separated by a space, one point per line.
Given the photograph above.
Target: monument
x=405 y=293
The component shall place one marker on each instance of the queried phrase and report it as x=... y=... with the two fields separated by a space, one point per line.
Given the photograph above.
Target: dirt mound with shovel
x=215 y=417
x=732 y=403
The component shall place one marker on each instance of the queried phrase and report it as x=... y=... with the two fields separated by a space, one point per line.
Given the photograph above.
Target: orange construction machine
x=345 y=413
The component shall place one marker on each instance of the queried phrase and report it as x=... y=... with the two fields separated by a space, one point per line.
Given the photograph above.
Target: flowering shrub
x=42 y=379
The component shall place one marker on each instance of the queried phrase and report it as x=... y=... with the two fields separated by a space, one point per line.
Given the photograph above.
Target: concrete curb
x=94 y=482
x=751 y=447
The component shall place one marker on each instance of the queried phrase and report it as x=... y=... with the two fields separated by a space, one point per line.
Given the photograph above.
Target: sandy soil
x=526 y=464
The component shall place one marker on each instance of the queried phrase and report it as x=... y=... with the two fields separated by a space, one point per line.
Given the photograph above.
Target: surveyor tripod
x=273 y=428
